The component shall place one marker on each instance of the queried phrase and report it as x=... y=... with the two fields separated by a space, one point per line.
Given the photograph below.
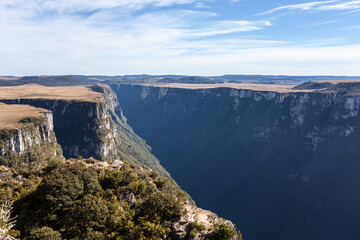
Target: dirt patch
x=10 y=115
x=35 y=91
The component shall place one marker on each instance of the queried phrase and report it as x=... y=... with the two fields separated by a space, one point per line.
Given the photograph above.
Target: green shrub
x=225 y=231
x=33 y=120
x=167 y=202
x=195 y=228
x=70 y=203
x=138 y=187
x=112 y=179
x=45 y=233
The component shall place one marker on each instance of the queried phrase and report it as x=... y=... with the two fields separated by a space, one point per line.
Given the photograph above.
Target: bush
x=195 y=228
x=138 y=187
x=33 y=120
x=115 y=178
x=63 y=186
x=112 y=179
x=225 y=231
x=45 y=233
x=167 y=202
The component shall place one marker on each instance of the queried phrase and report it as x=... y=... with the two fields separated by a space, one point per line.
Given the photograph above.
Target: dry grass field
x=35 y=91
x=10 y=115
x=246 y=86
x=8 y=78
x=337 y=81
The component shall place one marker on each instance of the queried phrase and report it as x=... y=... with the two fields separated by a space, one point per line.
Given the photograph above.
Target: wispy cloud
x=109 y=32
x=324 y=23
x=301 y=6
x=75 y=6
x=227 y=27
x=341 y=6
x=201 y=5
x=351 y=27
x=318 y=5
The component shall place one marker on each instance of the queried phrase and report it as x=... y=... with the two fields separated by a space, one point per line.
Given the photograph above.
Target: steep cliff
x=129 y=146
x=87 y=123
x=82 y=128
x=29 y=142
x=281 y=165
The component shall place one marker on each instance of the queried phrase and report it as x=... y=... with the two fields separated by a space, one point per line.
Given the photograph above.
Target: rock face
x=82 y=128
x=279 y=165
x=23 y=138
x=95 y=129
x=32 y=144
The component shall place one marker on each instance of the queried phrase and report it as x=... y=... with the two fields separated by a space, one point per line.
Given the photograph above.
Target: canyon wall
x=279 y=165
x=79 y=126
x=95 y=129
x=32 y=145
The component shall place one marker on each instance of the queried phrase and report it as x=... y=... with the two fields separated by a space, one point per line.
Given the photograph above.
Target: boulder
x=6 y=237
x=117 y=164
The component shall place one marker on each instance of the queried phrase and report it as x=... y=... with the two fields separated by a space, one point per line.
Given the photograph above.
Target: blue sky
x=115 y=37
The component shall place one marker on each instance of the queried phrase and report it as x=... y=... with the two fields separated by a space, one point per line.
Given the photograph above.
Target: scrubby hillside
x=87 y=199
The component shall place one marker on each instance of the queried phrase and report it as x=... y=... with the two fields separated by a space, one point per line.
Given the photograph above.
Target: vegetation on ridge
x=84 y=199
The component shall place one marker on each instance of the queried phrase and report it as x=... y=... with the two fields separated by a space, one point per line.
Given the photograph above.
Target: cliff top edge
x=11 y=115
x=245 y=86
x=279 y=88
x=35 y=91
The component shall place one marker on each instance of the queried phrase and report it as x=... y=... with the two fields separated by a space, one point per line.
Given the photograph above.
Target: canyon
x=42 y=126
x=281 y=163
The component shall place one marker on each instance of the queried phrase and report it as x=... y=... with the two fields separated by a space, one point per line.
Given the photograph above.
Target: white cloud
x=341 y=6
x=344 y=60
x=318 y=5
x=324 y=23
x=76 y=6
x=301 y=6
x=227 y=27
x=116 y=41
x=201 y=5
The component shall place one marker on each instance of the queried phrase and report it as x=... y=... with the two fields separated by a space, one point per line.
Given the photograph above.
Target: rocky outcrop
x=252 y=156
x=21 y=139
x=30 y=145
x=194 y=216
x=6 y=237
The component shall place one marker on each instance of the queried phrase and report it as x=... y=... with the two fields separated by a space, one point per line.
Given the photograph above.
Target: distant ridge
x=68 y=80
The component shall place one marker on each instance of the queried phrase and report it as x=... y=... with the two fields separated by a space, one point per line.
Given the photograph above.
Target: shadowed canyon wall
x=280 y=165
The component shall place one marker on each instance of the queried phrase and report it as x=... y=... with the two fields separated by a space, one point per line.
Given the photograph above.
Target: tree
x=6 y=221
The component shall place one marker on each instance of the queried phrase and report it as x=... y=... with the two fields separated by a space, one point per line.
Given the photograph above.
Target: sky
x=192 y=37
